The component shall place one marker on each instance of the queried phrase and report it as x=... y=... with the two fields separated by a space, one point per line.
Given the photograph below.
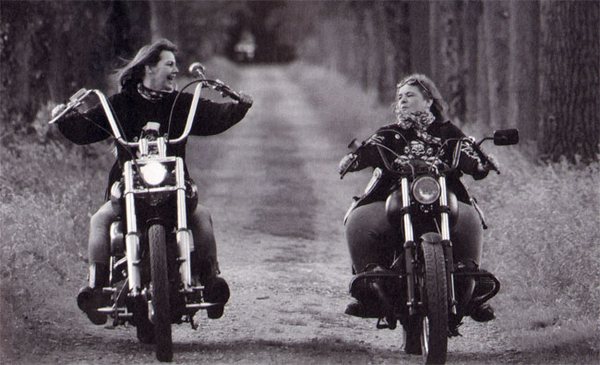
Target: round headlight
x=153 y=173
x=426 y=190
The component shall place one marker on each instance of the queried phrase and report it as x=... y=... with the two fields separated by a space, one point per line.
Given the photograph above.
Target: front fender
x=432 y=238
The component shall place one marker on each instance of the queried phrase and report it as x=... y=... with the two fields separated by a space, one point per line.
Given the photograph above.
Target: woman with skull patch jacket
x=421 y=129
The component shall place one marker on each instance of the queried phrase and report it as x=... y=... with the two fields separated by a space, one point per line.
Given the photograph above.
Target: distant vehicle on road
x=245 y=49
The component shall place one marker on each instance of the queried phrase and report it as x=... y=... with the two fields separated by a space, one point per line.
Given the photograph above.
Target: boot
x=483 y=313
x=91 y=297
x=371 y=294
x=216 y=289
x=358 y=309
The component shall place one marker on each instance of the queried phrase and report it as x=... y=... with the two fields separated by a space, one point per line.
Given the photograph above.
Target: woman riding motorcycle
x=148 y=95
x=420 y=121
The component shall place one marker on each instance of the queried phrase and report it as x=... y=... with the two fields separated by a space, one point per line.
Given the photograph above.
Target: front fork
x=410 y=245
x=447 y=243
x=132 y=237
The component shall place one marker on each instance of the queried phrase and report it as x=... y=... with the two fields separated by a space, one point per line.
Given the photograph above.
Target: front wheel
x=433 y=326
x=161 y=311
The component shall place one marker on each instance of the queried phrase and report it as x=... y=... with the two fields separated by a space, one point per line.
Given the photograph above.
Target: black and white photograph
x=300 y=182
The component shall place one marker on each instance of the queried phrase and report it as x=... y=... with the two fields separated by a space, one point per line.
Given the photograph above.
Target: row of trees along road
x=527 y=64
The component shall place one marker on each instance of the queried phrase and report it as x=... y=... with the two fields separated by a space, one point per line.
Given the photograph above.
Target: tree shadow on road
x=309 y=351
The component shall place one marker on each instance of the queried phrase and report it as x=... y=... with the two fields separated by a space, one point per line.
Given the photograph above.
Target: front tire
x=161 y=311
x=434 y=287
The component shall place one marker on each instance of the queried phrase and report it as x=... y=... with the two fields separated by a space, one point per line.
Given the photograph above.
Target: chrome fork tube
x=132 y=238
x=444 y=204
x=184 y=235
x=408 y=228
x=409 y=247
x=161 y=146
x=445 y=218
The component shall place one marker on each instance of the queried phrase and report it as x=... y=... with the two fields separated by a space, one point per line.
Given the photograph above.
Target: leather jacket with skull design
x=410 y=143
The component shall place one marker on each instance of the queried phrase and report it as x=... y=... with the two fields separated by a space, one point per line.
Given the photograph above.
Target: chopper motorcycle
x=151 y=285
x=424 y=288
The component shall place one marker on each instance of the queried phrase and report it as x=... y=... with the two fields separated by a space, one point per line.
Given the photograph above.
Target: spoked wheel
x=434 y=324
x=160 y=308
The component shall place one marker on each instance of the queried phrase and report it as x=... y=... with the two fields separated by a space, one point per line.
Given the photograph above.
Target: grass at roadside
x=544 y=226
x=48 y=191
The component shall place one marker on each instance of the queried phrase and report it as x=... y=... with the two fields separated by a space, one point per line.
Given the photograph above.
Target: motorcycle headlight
x=153 y=173
x=426 y=190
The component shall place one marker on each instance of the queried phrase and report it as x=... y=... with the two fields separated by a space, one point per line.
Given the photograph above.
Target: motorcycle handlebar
x=444 y=169
x=221 y=87
x=197 y=69
x=77 y=98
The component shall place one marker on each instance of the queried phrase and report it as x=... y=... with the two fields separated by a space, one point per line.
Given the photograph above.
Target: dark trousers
x=371 y=239
x=200 y=223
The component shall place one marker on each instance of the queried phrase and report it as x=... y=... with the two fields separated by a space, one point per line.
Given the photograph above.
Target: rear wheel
x=161 y=312
x=434 y=324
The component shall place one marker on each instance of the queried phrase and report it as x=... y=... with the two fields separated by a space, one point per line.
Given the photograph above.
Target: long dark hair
x=133 y=72
x=429 y=91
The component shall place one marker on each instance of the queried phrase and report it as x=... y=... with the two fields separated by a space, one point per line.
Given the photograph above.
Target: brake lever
x=225 y=90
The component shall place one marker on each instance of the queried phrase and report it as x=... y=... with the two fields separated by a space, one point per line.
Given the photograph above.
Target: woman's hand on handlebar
x=346 y=162
x=490 y=164
x=57 y=110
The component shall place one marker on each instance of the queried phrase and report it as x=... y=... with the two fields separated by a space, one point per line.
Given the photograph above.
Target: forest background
x=533 y=65
x=526 y=64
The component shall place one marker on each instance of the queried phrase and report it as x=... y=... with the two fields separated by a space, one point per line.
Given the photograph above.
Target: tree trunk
x=163 y=22
x=483 y=86
x=418 y=21
x=396 y=61
x=570 y=80
x=495 y=15
x=447 y=57
x=523 y=72
x=362 y=49
x=373 y=49
x=472 y=10
x=435 y=41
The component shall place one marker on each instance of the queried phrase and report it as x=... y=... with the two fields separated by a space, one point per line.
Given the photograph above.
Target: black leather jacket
x=133 y=112
x=399 y=140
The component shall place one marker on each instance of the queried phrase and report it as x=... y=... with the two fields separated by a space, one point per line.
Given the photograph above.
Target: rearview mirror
x=197 y=70
x=506 y=137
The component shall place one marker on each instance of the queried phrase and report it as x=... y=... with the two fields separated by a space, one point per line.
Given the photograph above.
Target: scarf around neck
x=419 y=121
x=149 y=94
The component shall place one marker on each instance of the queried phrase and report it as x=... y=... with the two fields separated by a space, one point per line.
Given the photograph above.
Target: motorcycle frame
x=184 y=237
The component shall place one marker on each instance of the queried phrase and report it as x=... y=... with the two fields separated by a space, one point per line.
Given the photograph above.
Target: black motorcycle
x=151 y=284
x=424 y=288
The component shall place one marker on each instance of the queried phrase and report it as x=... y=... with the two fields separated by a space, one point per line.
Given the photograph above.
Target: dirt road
x=277 y=203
